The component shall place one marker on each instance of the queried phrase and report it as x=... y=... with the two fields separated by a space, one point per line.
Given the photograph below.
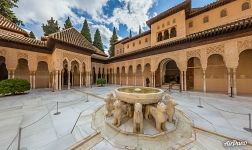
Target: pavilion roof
x=6 y=24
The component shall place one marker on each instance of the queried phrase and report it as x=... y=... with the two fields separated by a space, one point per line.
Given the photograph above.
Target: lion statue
x=109 y=104
x=159 y=114
x=170 y=108
x=127 y=110
x=117 y=113
x=138 y=119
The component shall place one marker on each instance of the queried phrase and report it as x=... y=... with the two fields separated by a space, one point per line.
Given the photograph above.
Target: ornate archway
x=42 y=75
x=3 y=69
x=194 y=75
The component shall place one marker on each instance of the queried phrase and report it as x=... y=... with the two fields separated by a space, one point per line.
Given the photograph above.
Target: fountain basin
x=143 y=95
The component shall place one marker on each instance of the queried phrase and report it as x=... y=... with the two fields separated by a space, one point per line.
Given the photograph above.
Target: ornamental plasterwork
x=42 y=58
x=244 y=45
x=2 y=53
x=22 y=55
x=194 y=53
x=218 y=49
x=72 y=57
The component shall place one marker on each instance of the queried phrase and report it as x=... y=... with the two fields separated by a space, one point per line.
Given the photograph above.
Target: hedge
x=14 y=86
x=101 y=81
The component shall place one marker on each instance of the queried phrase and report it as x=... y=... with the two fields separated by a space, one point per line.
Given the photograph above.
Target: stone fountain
x=140 y=110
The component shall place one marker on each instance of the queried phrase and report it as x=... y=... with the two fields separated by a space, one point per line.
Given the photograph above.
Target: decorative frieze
x=218 y=49
x=244 y=45
x=22 y=55
x=194 y=53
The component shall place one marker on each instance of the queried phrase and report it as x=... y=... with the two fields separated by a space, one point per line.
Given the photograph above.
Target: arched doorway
x=84 y=75
x=117 y=75
x=130 y=76
x=244 y=73
x=22 y=70
x=194 y=75
x=216 y=74
x=99 y=74
x=65 y=74
x=147 y=75
x=42 y=75
x=3 y=69
x=139 y=76
x=75 y=73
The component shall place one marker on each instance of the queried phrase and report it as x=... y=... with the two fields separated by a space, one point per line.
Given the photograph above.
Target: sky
x=125 y=15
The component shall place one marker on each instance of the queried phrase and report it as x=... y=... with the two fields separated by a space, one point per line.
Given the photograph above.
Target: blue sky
x=125 y=15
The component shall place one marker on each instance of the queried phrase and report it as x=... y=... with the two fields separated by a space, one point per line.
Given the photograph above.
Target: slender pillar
x=229 y=81
x=120 y=78
x=31 y=80
x=154 y=79
x=13 y=74
x=56 y=80
x=53 y=80
x=68 y=78
x=72 y=79
x=143 y=78
x=34 y=80
x=204 y=80
x=185 y=88
x=135 y=79
x=60 y=80
x=80 y=79
x=127 y=79
x=9 y=74
x=115 y=79
x=182 y=80
x=234 y=82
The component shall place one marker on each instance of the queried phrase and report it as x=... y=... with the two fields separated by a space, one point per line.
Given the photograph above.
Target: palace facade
x=206 y=49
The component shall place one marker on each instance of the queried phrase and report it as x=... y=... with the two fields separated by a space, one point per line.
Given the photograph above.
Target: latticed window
x=245 y=6
x=173 y=32
x=223 y=13
x=205 y=19
x=166 y=34
x=159 y=37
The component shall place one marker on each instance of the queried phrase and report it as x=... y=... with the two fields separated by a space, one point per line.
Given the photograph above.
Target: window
x=174 y=21
x=173 y=32
x=166 y=34
x=168 y=23
x=133 y=44
x=245 y=6
x=140 y=42
x=190 y=24
x=158 y=27
x=162 y=25
x=205 y=19
x=146 y=40
x=159 y=37
x=128 y=46
x=223 y=13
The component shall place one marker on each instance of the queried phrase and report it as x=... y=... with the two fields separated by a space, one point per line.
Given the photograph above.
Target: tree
x=140 y=29
x=97 y=40
x=130 y=34
x=113 y=39
x=31 y=35
x=6 y=7
x=51 y=27
x=68 y=23
x=86 y=32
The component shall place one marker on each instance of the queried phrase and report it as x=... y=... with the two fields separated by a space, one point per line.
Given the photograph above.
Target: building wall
x=137 y=44
x=119 y=49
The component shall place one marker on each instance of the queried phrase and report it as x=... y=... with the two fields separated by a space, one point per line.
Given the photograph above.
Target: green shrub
x=14 y=86
x=101 y=81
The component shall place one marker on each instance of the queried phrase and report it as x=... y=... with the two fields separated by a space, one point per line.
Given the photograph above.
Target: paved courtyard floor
x=222 y=118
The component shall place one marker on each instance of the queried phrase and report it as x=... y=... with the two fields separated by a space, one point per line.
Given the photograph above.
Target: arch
x=216 y=74
x=147 y=75
x=84 y=74
x=94 y=76
x=3 y=69
x=244 y=73
x=166 y=34
x=22 y=70
x=245 y=5
x=173 y=32
x=167 y=73
x=75 y=71
x=65 y=75
x=139 y=75
x=159 y=37
x=99 y=73
x=130 y=75
x=42 y=75
x=123 y=75
x=194 y=74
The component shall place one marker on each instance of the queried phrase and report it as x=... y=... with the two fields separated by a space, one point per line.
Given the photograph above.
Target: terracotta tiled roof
x=10 y=26
x=73 y=37
x=121 y=40
x=12 y=37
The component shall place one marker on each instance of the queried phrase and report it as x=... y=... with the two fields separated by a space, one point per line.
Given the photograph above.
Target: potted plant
x=101 y=82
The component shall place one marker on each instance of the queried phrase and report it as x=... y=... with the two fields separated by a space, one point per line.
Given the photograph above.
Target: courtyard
x=29 y=121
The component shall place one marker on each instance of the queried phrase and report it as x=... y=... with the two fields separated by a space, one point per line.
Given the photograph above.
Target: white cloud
x=133 y=14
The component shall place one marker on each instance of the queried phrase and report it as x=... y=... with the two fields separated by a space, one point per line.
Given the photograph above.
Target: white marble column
x=9 y=74
x=120 y=78
x=80 y=79
x=34 y=79
x=135 y=79
x=204 y=80
x=60 y=80
x=154 y=79
x=13 y=74
x=127 y=79
x=229 y=81
x=68 y=78
x=234 y=82
x=53 y=80
x=115 y=79
x=185 y=86
x=56 y=80
x=31 y=80
x=182 y=80
x=72 y=79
